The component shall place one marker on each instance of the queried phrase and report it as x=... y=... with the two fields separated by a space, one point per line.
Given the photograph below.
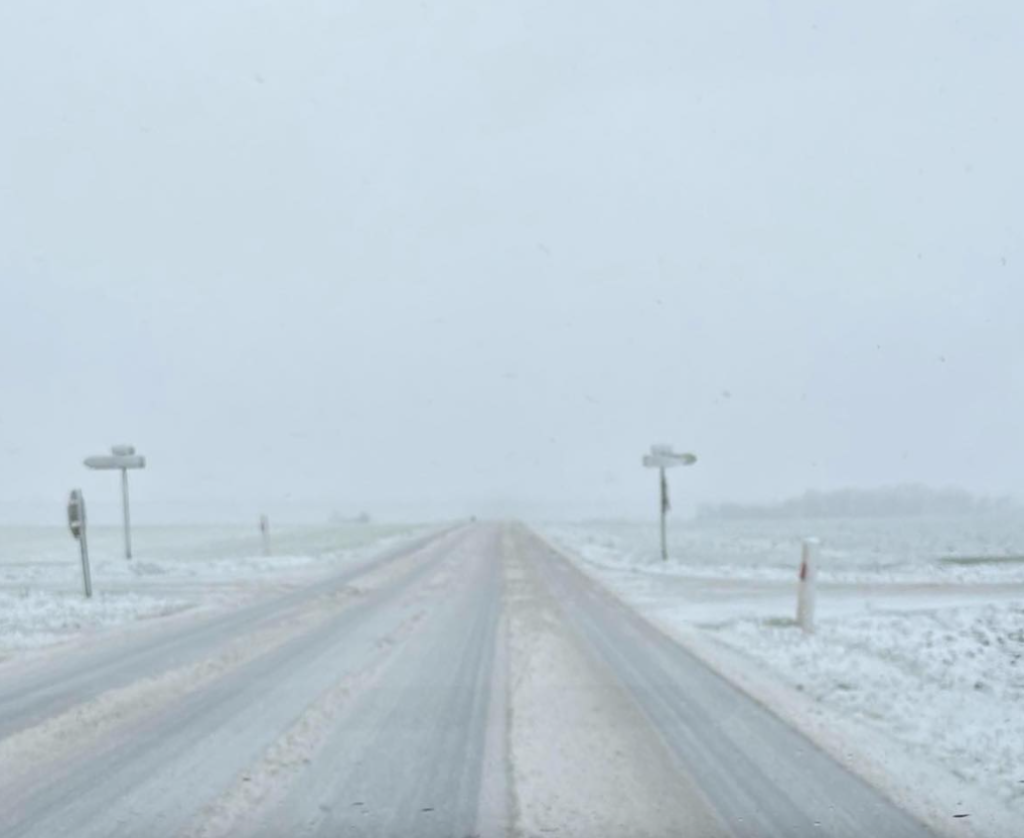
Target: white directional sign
x=121 y=458
x=115 y=461
x=668 y=460
x=661 y=458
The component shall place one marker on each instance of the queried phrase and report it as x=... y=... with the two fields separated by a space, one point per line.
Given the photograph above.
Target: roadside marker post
x=265 y=531
x=806 y=588
x=661 y=458
x=122 y=457
x=76 y=522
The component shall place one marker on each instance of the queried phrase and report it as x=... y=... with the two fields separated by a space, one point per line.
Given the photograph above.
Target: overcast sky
x=473 y=254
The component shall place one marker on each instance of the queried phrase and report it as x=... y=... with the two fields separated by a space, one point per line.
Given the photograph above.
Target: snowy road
x=471 y=683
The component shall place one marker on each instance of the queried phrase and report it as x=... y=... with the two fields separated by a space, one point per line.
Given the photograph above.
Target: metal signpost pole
x=265 y=531
x=664 y=510
x=84 y=544
x=127 y=518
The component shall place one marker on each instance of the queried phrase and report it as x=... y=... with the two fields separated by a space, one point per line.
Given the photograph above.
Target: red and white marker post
x=806 y=588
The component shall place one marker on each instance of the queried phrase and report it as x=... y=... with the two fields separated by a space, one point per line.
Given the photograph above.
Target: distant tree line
x=887 y=501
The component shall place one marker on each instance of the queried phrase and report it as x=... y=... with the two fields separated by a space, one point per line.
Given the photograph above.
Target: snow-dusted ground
x=173 y=569
x=917 y=550
x=947 y=682
x=920 y=632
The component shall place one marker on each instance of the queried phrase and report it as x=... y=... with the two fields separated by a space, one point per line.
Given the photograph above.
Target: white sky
x=464 y=255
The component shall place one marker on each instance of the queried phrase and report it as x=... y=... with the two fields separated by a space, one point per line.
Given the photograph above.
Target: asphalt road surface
x=470 y=683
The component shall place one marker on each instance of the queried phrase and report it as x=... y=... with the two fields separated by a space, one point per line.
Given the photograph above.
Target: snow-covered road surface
x=472 y=683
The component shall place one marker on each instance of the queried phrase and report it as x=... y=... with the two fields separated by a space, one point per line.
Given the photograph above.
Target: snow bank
x=29 y=620
x=948 y=683
x=174 y=569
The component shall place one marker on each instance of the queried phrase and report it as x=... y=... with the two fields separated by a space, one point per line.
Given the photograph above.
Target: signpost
x=76 y=521
x=121 y=457
x=661 y=458
x=265 y=531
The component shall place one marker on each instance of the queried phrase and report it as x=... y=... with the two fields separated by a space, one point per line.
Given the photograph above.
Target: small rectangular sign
x=76 y=513
x=115 y=462
x=668 y=460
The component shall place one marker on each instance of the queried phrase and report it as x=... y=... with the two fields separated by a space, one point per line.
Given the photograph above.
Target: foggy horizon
x=104 y=507
x=470 y=258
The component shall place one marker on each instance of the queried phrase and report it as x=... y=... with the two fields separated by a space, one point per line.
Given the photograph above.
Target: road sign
x=122 y=458
x=76 y=512
x=668 y=460
x=116 y=461
x=661 y=458
x=76 y=521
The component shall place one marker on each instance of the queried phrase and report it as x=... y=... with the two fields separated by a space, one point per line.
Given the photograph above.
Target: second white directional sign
x=668 y=459
x=116 y=461
x=661 y=458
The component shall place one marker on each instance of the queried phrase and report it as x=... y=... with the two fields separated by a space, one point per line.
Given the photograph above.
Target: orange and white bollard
x=806 y=588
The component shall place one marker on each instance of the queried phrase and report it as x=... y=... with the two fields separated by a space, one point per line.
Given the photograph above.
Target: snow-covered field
x=173 y=569
x=920 y=630
x=925 y=550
